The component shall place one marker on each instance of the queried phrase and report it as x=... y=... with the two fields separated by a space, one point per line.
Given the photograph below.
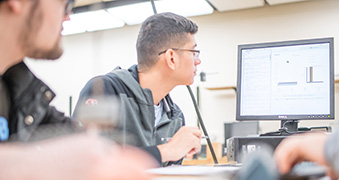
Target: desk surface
x=190 y=162
x=188 y=178
x=194 y=172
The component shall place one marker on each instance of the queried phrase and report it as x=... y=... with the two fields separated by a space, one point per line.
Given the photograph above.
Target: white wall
x=90 y=54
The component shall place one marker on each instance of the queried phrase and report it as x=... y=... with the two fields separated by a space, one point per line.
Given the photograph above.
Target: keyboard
x=305 y=170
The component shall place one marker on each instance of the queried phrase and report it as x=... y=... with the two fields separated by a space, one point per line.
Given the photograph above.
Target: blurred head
x=40 y=25
x=160 y=32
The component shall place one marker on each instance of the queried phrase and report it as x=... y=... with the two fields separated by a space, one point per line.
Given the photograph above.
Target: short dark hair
x=160 y=32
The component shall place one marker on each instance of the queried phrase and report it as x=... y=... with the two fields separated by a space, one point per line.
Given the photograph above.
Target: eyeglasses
x=69 y=7
x=196 y=53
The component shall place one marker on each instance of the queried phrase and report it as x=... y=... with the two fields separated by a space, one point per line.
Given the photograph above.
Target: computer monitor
x=287 y=81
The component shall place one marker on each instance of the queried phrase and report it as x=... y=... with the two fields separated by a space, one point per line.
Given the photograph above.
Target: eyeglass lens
x=196 y=54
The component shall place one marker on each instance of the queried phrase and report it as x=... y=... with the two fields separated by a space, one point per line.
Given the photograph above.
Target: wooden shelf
x=336 y=81
x=222 y=88
x=222 y=160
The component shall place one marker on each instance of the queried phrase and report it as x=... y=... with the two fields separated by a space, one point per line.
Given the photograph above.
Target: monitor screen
x=290 y=80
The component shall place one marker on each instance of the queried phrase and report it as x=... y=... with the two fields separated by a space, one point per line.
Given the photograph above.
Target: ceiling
x=90 y=5
x=94 y=15
x=220 y=5
x=80 y=3
x=87 y=2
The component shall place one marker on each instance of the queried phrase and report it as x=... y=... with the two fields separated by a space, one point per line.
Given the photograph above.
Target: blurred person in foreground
x=32 y=28
x=167 y=57
x=320 y=148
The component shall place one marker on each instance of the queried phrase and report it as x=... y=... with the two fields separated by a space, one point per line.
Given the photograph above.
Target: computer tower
x=242 y=128
x=238 y=147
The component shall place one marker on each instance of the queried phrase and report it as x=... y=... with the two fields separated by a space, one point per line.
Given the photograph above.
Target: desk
x=189 y=178
x=196 y=162
x=204 y=172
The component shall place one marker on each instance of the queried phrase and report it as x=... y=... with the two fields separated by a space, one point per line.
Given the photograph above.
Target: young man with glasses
x=32 y=28
x=166 y=58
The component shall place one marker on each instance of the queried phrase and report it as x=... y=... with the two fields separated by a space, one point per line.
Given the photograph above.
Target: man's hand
x=185 y=141
x=306 y=147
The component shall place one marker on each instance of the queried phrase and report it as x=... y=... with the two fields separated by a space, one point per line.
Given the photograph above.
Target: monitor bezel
x=329 y=40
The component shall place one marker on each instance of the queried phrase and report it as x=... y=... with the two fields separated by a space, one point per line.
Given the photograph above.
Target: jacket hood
x=133 y=81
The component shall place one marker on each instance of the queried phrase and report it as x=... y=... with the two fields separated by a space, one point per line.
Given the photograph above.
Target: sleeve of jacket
x=54 y=124
x=332 y=151
x=154 y=152
x=54 y=116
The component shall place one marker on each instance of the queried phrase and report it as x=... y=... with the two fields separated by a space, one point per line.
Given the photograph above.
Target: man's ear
x=170 y=59
x=15 y=6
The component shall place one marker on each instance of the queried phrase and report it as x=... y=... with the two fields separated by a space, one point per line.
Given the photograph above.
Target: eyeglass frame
x=69 y=6
x=195 y=52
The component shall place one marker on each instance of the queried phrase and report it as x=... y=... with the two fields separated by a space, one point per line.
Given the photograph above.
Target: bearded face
x=33 y=41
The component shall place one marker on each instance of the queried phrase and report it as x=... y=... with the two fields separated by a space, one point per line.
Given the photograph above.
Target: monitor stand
x=288 y=127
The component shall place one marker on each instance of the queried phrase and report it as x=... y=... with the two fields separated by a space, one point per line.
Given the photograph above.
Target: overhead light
x=185 y=8
x=137 y=13
x=90 y=21
x=74 y=26
x=132 y=14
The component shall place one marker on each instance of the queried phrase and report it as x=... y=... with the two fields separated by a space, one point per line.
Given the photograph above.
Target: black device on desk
x=249 y=128
x=238 y=147
x=305 y=170
x=261 y=166
x=240 y=129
